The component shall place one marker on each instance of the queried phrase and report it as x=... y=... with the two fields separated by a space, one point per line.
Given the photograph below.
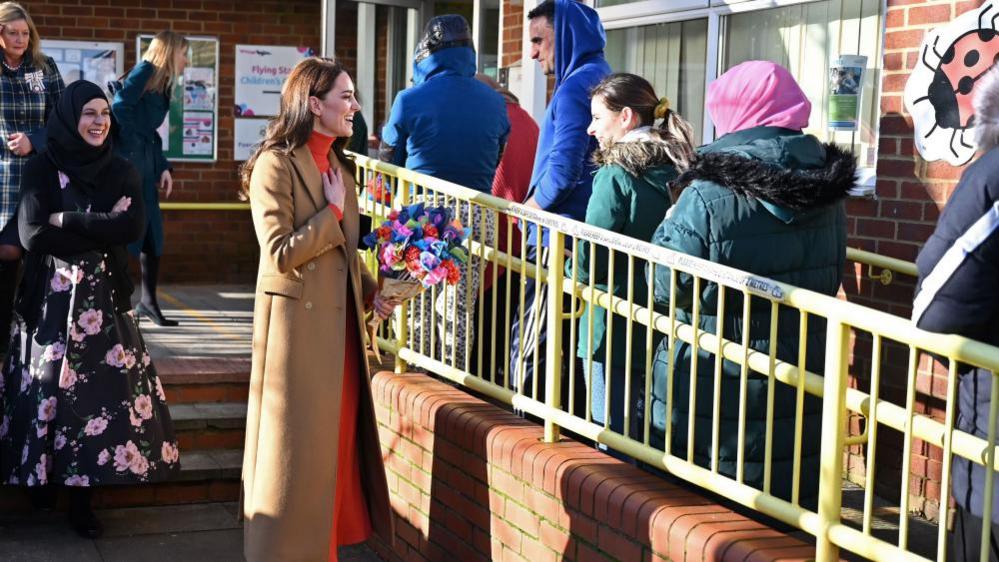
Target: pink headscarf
x=757 y=93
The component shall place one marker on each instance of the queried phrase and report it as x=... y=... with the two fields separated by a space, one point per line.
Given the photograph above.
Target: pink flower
x=390 y=256
x=42 y=430
x=54 y=351
x=96 y=426
x=136 y=420
x=146 y=359
x=115 y=356
x=47 y=409
x=68 y=377
x=41 y=470
x=159 y=390
x=91 y=321
x=144 y=406
x=125 y=455
x=59 y=283
x=169 y=452
x=436 y=276
x=129 y=359
x=75 y=334
x=140 y=465
x=103 y=457
x=60 y=441
x=77 y=480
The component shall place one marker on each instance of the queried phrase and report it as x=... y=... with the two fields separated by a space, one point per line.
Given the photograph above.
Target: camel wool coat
x=308 y=263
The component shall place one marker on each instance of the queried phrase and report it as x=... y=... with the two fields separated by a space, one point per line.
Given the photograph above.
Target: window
x=681 y=50
x=669 y=55
x=804 y=38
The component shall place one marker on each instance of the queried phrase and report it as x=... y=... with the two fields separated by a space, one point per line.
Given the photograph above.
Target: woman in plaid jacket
x=30 y=87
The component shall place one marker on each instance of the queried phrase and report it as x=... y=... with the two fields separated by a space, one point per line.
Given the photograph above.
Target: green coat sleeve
x=607 y=209
x=685 y=229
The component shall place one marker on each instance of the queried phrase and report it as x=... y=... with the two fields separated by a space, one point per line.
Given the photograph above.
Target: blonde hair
x=162 y=54
x=11 y=12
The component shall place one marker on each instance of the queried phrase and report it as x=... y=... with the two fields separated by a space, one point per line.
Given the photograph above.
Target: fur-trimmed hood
x=636 y=156
x=789 y=188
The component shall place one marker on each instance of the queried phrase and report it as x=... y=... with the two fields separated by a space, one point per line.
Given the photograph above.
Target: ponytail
x=677 y=134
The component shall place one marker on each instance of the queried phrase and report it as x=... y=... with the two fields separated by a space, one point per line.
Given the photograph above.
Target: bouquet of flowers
x=418 y=247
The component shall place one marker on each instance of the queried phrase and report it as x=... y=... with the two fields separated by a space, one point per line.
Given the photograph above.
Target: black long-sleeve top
x=88 y=225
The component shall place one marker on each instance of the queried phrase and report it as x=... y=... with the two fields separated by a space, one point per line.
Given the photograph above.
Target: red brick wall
x=911 y=193
x=472 y=482
x=200 y=246
x=513 y=32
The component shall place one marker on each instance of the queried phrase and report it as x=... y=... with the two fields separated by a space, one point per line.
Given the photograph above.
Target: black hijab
x=71 y=155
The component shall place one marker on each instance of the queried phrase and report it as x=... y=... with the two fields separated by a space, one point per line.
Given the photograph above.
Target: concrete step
x=205 y=476
x=209 y=425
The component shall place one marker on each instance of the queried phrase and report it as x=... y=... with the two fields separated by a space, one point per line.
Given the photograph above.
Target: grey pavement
x=192 y=533
x=216 y=321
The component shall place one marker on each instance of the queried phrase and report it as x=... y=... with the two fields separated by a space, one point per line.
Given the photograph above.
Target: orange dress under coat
x=351 y=520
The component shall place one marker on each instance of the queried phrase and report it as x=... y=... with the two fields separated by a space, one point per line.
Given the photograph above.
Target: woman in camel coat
x=304 y=464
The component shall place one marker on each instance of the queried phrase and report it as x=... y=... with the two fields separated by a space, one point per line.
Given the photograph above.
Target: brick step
x=205 y=476
x=188 y=381
x=209 y=425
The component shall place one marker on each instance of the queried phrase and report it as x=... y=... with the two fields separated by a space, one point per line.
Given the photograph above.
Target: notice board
x=190 y=130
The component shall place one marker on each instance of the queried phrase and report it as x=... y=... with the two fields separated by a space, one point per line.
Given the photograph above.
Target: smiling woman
x=63 y=425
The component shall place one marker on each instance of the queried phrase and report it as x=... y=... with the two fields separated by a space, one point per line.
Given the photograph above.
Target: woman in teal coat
x=139 y=107
x=630 y=196
x=766 y=199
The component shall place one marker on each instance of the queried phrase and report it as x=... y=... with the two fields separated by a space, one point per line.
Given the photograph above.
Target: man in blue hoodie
x=567 y=40
x=453 y=127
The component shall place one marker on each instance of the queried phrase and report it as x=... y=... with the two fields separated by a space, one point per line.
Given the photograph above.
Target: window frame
x=651 y=12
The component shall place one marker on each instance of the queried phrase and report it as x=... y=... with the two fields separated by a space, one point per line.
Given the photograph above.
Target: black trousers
x=966 y=538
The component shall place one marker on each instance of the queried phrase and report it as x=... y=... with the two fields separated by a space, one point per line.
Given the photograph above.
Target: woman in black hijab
x=82 y=405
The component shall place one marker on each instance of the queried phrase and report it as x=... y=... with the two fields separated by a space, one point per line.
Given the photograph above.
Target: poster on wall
x=941 y=88
x=190 y=129
x=248 y=133
x=99 y=63
x=846 y=81
x=260 y=73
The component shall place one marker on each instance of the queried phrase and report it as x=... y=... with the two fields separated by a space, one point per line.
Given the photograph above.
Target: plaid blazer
x=27 y=96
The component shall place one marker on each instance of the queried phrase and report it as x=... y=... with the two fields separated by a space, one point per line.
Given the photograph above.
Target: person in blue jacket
x=448 y=125
x=567 y=40
x=453 y=127
x=956 y=294
x=140 y=105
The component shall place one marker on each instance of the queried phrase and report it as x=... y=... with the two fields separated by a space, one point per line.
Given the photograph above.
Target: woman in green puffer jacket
x=766 y=199
x=630 y=196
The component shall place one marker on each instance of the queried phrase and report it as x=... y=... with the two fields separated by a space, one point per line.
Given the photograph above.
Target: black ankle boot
x=81 y=514
x=148 y=306
x=43 y=498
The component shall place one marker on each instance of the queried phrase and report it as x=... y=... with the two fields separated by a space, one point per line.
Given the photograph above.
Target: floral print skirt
x=80 y=400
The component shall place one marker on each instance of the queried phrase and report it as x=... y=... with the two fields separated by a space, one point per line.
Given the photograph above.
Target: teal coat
x=630 y=197
x=138 y=114
x=764 y=200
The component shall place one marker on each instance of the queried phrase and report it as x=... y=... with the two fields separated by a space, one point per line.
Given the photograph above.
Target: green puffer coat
x=630 y=197
x=767 y=201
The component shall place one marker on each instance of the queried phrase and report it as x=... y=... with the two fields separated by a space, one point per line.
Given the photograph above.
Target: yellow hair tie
x=662 y=108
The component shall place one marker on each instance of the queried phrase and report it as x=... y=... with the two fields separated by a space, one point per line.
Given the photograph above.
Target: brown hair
x=291 y=128
x=162 y=54
x=11 y=12
x=622 y=90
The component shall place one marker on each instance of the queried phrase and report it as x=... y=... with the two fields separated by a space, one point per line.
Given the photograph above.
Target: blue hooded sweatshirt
x=448 y=125
x=563 y=170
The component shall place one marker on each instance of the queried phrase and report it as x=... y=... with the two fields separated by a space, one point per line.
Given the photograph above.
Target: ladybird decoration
x=940 y=90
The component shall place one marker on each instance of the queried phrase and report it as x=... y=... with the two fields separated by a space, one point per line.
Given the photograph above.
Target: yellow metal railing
x=443 y=331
